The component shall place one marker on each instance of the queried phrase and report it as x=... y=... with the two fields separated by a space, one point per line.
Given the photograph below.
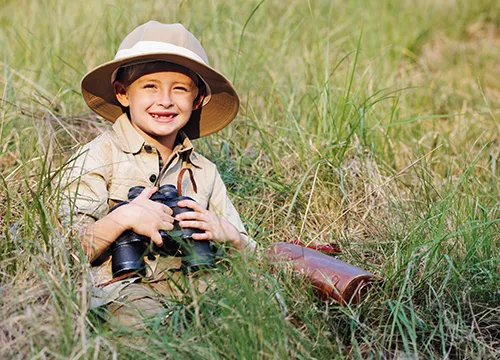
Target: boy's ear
x=198 y=102
x=121 y=94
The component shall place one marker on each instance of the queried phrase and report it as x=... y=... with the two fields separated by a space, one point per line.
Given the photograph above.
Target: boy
x=159 y=92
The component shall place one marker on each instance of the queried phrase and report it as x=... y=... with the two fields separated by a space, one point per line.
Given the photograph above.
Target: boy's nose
x=164 y=99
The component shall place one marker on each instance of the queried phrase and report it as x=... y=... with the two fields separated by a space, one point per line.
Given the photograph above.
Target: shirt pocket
x=123 y=181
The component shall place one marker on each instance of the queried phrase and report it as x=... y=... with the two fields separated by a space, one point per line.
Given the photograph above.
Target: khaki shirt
x=101 y=173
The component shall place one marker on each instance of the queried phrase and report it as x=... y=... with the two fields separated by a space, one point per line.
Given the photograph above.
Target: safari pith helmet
x=155 y=41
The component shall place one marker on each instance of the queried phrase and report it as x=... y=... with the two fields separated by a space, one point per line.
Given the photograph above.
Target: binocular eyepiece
x=128 y=251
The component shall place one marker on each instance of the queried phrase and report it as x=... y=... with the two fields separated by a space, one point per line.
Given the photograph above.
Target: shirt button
x=148 y=148
x=152 y=178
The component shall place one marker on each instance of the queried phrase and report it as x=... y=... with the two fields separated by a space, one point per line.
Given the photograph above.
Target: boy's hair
x=126 y=75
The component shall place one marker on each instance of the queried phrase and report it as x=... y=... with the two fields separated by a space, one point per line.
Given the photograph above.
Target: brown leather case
x=331 y=278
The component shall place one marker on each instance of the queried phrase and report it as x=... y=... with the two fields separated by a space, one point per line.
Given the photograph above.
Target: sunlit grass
x=370 y=124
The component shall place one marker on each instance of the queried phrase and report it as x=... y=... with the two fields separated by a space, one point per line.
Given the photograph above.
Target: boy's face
x=160 y=103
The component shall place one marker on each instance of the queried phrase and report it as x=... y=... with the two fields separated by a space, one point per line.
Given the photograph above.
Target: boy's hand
x=147 y=217
x=216 y=229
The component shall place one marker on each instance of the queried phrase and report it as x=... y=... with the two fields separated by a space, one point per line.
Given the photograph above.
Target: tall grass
x=370 y=124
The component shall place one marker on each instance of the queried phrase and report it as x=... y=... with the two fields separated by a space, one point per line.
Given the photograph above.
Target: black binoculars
x=129 y=250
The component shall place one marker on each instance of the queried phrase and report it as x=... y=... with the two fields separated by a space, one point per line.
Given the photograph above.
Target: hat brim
x=98 y=93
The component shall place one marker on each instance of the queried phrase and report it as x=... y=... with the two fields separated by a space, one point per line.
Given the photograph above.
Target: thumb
x=147 y=192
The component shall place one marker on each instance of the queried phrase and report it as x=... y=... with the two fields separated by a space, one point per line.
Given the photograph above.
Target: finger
x=207 y=235
x=192 y=205
x=194 y=225
x=190 y=215
x=167 y=226
x=167 y=218
x=167 y=210
x=156 y=238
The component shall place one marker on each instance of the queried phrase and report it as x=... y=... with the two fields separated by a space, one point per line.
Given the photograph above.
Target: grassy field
x=371 y=124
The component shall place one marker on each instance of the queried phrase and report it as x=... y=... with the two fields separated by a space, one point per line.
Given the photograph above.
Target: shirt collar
x=130 y=141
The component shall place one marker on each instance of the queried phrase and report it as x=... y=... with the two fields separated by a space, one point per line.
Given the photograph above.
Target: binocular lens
x=128 y=254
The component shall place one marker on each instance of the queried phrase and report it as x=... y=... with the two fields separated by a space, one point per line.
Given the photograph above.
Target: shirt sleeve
x=221 y=205
x=85 y=190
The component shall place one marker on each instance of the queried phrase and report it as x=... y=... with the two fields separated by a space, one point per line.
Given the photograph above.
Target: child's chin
x=164 y=120
x=160 y=133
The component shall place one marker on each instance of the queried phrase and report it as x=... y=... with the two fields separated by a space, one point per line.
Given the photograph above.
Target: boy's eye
x=181 y=88
x=149 y=86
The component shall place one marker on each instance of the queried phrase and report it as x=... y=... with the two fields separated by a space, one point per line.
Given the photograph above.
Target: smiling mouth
x=165 y=117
